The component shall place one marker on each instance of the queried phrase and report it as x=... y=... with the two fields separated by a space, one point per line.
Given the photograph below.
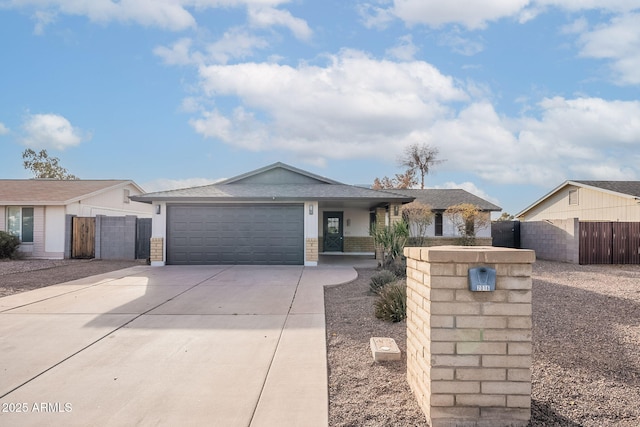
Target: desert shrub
x=8 y=245
x=398 y=267
x=380 y=279
x=391 y=304
x=391 y=239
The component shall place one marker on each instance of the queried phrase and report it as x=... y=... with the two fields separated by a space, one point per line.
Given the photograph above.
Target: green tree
x=419 y=158
x=44 y=166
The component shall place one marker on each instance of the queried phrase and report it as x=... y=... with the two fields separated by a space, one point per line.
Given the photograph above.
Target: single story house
x=585 y=222
x=36 y=210
x=587 y=201
x=277 y=214
x=440 y=200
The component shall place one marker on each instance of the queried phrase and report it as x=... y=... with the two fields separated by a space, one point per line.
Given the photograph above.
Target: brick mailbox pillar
x=469 y=352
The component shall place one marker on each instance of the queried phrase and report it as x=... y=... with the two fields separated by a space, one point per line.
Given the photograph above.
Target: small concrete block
x=384 y=349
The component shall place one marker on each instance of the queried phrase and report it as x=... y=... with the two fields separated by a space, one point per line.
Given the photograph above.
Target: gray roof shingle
x=631 y=188
x=441 y=199
x=263 y=192
x=51 y=191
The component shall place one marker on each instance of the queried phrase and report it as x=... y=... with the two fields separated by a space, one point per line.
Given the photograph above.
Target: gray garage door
x=235 y=234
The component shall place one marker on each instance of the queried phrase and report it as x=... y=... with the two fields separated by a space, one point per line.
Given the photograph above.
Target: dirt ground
x=586 y=352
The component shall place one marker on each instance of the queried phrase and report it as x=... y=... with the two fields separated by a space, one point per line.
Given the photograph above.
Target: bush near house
x=8 y=245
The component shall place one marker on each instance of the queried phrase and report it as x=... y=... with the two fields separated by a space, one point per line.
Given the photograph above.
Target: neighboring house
x=36 y=210
x=274 y=215
x=440 y=200
x=586 y=222
x=588 y=201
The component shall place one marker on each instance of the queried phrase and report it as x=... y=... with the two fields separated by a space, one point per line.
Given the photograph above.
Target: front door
x=333 y=238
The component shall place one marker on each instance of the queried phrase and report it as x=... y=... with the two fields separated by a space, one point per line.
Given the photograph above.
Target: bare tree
x=401 y=180
x=419 y=216
x=420 y=158
x=44 y=166
x=467 y=219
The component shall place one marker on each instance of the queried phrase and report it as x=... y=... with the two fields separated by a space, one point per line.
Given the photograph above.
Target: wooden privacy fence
x=105 y=237
x=84 y=237
x=609 y=242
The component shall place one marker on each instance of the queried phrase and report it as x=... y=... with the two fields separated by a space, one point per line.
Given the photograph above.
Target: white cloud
x=580 y=5
x=353 y=106
x=578 y=26
x=168 y=14
x=51 y=131
x=462 y=45
x=471 y=188
x=374 y=16
x=404 y=50
x=269 y=16
x=3 y=129
x=179 y=53
x=474 y=15
x=236 y=43
x=173 y=15
x=584 y=137
x=356 y=106
x=43 y=18
x=618 y=41
x=469 y=13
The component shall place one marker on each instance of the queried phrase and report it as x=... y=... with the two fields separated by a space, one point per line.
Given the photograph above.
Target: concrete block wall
x=555 y=240
x=469 y=353
x=116 y=237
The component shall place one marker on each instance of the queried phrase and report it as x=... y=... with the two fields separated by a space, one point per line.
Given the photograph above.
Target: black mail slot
x=482 y=279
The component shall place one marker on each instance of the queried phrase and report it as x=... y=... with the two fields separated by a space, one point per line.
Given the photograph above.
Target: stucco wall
x=111 y=203
x=449 y=230
x=592 y=205
x=54 y=230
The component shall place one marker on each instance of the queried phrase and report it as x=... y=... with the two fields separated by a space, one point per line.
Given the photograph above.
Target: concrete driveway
x=200 y=345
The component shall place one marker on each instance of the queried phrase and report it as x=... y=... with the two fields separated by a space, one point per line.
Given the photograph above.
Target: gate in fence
x=609 y=242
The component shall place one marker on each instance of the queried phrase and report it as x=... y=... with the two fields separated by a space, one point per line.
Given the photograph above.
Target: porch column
x=381 y=222
x=395 y=215
x=158 y=234
x=311 y=225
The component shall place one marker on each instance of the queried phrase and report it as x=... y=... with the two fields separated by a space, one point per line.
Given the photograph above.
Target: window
x=573 y=197
x=438 y=223
x=20 y=223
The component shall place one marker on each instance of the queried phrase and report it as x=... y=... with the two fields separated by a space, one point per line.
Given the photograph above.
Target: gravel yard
x=586 y=351
x=586 y=344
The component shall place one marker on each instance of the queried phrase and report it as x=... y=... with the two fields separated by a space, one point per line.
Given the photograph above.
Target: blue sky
x=518 y=95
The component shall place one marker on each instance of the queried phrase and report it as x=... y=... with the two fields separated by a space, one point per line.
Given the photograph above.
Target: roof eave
x=193 y=199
